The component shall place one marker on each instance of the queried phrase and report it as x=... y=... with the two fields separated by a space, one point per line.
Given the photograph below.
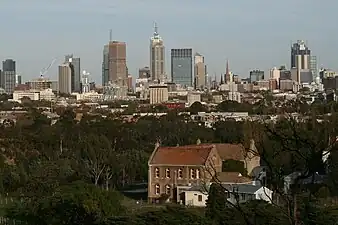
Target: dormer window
x=180 y=174
x=167 y=173
x=157 y=172
x=192 y=174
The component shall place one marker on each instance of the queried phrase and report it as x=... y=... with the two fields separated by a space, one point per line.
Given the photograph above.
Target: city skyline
x=257 y=41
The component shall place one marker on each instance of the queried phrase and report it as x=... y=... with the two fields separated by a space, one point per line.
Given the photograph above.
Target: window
x=157 y=189
x=157 y=172
x=180 y=174
x=243 y=196
x=168 y=190
x=199 y=198
x=192 y=174
x=197 y=174
x=167 y=173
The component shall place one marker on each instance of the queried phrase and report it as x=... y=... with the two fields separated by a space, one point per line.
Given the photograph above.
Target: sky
x=252 y=34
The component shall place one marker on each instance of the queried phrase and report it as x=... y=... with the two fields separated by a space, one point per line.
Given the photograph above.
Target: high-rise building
x=117 y=63
x=256 y=75
x=66 y=72
x=199 y=71
x=18 y=79
x=300 y=55
x=313 y=66
x=181 y=66
x=157 y=57
x=76 y=78
x=105 y=66
x=8 y=75
x=144 y=72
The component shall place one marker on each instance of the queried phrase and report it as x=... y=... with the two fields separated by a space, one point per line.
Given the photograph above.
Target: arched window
x=157 y=189
x=168 y=189
x=167 y=173
x=197 y=174
x=192 y=174
x=157 y=172
x=180 y=174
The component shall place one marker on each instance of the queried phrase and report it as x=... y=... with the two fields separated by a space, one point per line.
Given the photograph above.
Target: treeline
x=68 y=173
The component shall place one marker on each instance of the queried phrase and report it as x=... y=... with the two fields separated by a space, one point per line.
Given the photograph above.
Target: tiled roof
x=230 y=177
x=182 y=155
x=231 y=151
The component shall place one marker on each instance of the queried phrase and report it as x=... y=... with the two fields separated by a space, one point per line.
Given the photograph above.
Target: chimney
x=158 y=143
x=198 y=142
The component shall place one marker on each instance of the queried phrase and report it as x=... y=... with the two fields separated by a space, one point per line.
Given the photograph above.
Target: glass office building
x=182 y=67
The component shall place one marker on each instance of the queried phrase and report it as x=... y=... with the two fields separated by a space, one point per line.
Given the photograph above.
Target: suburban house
x=173 y=170
x=197 y=196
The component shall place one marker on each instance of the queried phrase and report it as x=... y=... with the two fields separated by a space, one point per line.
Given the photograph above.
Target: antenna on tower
x=110 y=35
x=155 y=28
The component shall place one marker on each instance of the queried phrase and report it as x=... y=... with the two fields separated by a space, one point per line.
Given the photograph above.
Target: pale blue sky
x=251 y=33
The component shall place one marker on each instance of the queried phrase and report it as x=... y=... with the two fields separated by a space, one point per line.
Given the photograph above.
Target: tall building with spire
x=228 y=75
x=157 y=57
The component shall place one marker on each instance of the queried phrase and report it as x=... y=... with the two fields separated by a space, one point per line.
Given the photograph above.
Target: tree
x=197 y=107
x=216 y=203
x=76 y=203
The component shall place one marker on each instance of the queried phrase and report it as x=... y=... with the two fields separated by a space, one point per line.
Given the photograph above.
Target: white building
x=193 y=97
x=32 y=95
x=235 y=193
x=234 y=96
x=275 y=74
x=158 y=93
x=89 y=96
x=47 y=95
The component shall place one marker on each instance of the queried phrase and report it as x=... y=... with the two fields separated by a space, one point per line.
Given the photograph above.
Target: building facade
x=157 y=57
x=144 y=73
x=199 y=71
x=181 y=67
x=105 y=66
x=8 y=75
x=76 y=78
x=300 y=55
x=256 y=75
x=117 y=62
x=65 y=78
x=158 y=94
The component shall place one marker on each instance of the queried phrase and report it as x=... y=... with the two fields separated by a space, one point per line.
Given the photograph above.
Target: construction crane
x=44 y=71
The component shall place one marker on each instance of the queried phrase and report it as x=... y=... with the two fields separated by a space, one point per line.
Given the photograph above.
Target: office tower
x=66 y=72
x=105 y=66
x=76 y=78
x=18 y=79
x=85 y=85
x=8 y=75
x=199 y=71
x=157 y=57
x=144 y=72
x=275 y=74
x=256 y=75
x=181 y=66
x=300 y=56
x=313 y=66
x=117 y=53
x=130 y=82
x=228 y=75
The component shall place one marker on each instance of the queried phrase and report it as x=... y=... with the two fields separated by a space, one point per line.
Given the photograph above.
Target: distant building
x=76 y=77
x=117 y=57
x=199 y=71
x=193 y=97
x=256 y=75
x=144 y=73
x=130 y=82
x=18 y=79
x=8 y=75
x=158 y=94
x=65 y=78
x=105 y=66
x=181 y=66
x=300 y=55
x=157 y=57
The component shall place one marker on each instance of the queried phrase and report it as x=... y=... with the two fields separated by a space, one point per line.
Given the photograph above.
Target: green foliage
x=76 y=203
x=231 y=165
x=216 y=203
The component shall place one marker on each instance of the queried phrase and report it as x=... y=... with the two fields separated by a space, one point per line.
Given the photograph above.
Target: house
x=172 y=170
x=236 y=193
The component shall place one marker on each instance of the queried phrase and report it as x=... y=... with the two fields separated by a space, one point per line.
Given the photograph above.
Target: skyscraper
x=157 y=56
x=300 y=55
x=199 y=71
x=181 y=66
x=117 y=63
x=313 y=66
x=65 y=78
x=76 y=77
x=105 y=66
x=8 y=75
x=256 y=75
